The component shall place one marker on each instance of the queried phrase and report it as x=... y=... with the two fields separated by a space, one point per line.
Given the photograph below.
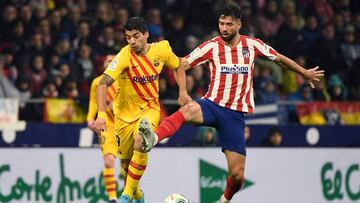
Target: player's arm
x=105 y=82
x=175 y=63
x=268 y=52
x=197 y=57
x=180 y=76
x=91 y=115
x=112 y=72
x=310 y=75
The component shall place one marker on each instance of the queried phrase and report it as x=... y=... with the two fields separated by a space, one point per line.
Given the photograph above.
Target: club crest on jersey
x=246 y=52
x=234 y=69
x=156 y=62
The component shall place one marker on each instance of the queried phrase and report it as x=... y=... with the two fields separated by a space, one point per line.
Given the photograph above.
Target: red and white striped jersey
x=231 y=70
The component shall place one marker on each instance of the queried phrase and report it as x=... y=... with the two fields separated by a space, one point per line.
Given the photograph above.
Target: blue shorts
x=229 y=124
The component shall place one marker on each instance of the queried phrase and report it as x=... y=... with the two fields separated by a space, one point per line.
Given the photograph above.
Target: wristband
x=102 y=114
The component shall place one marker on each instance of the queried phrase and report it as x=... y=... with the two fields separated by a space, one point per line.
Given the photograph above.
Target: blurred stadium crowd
x=54 y=48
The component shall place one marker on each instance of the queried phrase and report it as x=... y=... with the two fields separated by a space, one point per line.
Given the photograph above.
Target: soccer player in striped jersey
x=230 y=58
x=136 y=69
x=107 y=139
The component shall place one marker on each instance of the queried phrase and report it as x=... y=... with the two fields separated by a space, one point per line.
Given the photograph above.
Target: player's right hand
x=99 y=125
x=313 y=75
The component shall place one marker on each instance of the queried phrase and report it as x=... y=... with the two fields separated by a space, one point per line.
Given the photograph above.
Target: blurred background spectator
x=206 y=136
x=274 y=138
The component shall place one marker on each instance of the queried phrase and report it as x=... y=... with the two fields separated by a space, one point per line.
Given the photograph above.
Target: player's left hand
x=183 y=98
x=312 y=75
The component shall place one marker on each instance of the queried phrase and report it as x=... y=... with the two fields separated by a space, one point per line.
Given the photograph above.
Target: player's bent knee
x=189 y=110
x=109 y=161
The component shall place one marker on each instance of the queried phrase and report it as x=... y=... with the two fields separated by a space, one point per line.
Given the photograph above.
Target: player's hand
x=183 y=98
x=313 y=75
x=99 y=125
x=90 y=125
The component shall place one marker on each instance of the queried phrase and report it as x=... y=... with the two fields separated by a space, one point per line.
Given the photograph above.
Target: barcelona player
x=136 y=69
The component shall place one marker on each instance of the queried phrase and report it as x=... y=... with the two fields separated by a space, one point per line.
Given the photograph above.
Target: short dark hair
x=274 y=130
x=231 y=10
x=136 y=23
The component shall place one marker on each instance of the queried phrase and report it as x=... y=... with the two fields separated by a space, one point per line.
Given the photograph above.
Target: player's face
x=136 y=40
x=229 y=27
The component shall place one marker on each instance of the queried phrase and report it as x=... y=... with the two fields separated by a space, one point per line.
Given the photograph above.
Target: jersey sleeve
x=91 y=115
x=200 y=55
x=118 y=64
x=263 y=50
x=171 y=60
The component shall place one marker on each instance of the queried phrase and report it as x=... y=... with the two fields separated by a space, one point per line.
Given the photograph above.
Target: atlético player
x=230 y=58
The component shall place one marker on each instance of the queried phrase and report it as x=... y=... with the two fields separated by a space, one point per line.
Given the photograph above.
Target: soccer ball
x=176 y=198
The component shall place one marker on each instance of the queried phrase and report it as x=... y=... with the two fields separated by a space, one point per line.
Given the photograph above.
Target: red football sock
x=232 y=186
x=170 y=125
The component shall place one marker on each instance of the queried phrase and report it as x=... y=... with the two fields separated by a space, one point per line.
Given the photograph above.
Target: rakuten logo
x=145 y=79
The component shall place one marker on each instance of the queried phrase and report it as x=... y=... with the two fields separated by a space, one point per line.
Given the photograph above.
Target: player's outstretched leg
x=147 y=135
